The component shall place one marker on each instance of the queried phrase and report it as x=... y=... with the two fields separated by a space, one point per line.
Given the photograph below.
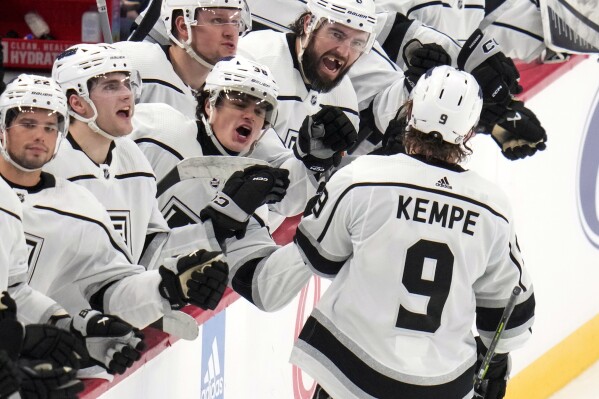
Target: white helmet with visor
x=79 y=66
x=28 y=93
x=190 y=11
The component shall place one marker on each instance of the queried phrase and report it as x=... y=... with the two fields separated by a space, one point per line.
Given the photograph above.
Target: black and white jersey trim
x=161 y=145
x=135 y=174
x=515 y=28
x=81 y=177
x=114 y=244
x=316 y=340
x=163 y=83
x=324 y=266
x=14 y=215
x=409 y=186
x=488 y=318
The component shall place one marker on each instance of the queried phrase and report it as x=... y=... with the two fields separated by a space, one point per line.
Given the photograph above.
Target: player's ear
x=76 y=103
x=306 y=22
x=207 y=108
x=181 y=28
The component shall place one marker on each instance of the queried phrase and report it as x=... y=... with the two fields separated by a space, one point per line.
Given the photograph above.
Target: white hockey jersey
x=126 y=186
x=166 y=137
x=32 y=307
x=416 y=250
x=296 y=101
x=161 y=84
x=74 y=252
x=264 y=273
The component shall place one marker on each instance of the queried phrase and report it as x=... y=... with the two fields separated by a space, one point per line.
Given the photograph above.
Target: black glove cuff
x=170 y=289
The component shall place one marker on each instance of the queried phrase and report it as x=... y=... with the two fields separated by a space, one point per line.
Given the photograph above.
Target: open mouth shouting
x=124 y=112
x=244 y=131
x=331 y=65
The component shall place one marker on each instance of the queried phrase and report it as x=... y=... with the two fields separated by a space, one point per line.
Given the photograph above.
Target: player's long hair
x=297 y=27
x=431 y=145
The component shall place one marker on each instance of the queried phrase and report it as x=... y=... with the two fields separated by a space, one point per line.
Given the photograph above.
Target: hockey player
x=76 y=257
x=310 y=66
x=414 y=47
x=201 y=32
x=97 y=156
x=109 y=341
x=416 y=246
x=239 y=103
x=207 y=174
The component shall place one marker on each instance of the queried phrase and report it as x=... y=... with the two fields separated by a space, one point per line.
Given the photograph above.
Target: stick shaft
x=104 y=21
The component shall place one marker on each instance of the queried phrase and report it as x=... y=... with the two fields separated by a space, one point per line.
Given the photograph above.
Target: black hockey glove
x=8 y=307
x=199 y=278
x=41 y=379
x=419 y=58
x=50 y=343
x=495 y=73
x=494 y=384
x=10 y=380
x=110 y=342
x=519 y=133
x=243 y=193
x=323 y=137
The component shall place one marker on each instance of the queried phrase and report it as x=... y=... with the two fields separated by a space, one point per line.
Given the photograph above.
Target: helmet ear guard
x=446 y=101
x=26 y=93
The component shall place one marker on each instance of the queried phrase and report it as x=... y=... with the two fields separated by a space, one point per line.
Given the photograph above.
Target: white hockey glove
x=323 y=137
x=243 y=193
x=199 y=278
x=495 y=73
x=109 y=341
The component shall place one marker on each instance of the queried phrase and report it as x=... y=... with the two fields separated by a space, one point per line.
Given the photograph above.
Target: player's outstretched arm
x=243 y=193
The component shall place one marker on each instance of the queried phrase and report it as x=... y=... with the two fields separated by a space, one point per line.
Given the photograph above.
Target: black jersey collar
x=77 y=147
x=46 y=181
x=438 y=163
x=208 y=147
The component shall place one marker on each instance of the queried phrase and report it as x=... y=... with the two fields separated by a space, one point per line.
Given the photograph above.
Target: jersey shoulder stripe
x=14 y=215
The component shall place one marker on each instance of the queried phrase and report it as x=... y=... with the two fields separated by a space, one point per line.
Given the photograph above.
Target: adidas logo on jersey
x=213 y=381
x=443 y=183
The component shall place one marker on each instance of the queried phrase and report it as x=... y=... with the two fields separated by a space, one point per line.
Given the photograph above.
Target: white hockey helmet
x=28 y=92
x=447 y=101
x=242 y=75
x=356 y=14
x=75 y=66
x=189 y=9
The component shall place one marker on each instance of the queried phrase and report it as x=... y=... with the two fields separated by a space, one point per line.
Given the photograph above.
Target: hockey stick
x=104 y=21
x=507 y=312
x=205 y=167
x=147 y=22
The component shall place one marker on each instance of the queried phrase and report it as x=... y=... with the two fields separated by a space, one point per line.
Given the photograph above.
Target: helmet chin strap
x=210 y=132
x=91 y=122
x=6 y=156
x=195 y=56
